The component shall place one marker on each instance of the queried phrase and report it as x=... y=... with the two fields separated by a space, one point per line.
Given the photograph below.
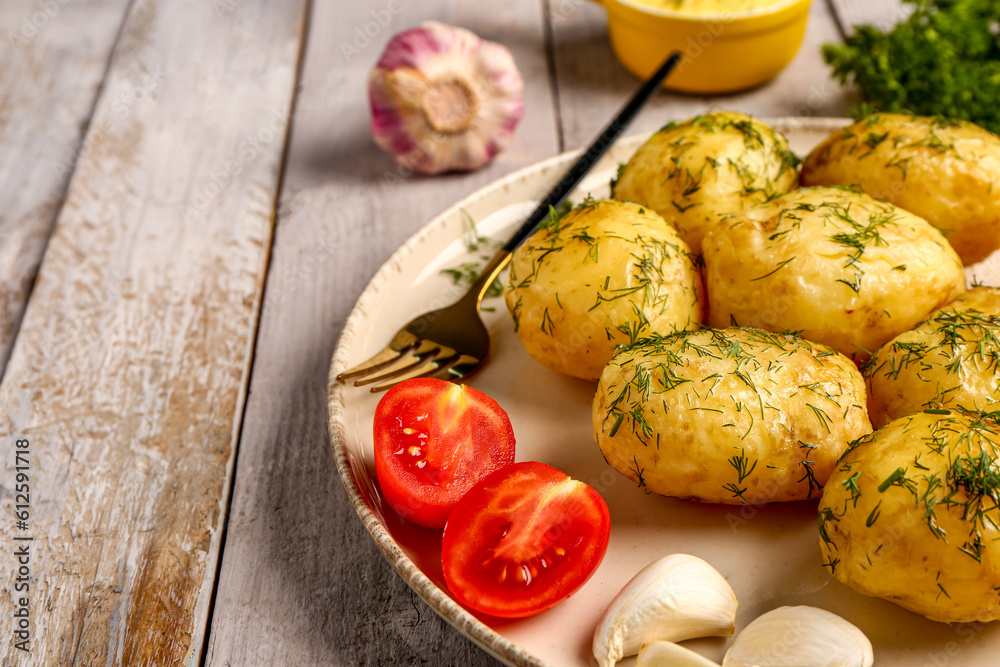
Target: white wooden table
x=190 y=203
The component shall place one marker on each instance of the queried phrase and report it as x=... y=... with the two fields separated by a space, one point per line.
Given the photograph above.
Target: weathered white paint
x=129 y=372
x=53 y=57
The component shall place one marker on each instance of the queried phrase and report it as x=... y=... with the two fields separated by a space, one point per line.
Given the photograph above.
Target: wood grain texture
x=129 y=371
x=592 y=83
x=883 y=14
x=53 y=61
x=302 y=583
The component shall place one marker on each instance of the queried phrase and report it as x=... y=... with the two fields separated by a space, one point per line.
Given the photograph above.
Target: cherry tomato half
x=523 y=540
x=433 y=441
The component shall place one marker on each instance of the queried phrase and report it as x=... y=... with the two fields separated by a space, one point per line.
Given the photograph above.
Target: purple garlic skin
x=442 y=99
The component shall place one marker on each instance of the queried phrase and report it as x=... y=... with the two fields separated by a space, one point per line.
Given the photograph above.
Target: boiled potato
x=603 y=274
x=835 y=264
x=729 y=415
x=945 y=171
x=696 y=172
x=948 y=360
x=910 y=514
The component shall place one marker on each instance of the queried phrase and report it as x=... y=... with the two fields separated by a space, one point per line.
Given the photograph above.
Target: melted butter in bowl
x=708 y=6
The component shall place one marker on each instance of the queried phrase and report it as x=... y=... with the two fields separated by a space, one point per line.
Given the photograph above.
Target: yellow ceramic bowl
x=722 y=52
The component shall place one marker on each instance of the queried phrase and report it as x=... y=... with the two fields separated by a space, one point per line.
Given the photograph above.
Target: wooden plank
x=54 y=57
x=301 y=581
x=592 y=83
x=883 y=14
x=129 y=373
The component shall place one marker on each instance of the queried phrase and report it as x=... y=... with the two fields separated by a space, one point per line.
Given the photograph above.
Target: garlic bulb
x=443 y=99
x=668 y=654
x=800 y=637
x=675 y=598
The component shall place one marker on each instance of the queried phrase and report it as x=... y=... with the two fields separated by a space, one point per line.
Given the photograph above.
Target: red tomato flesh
x=523 y=540
x=433 y=441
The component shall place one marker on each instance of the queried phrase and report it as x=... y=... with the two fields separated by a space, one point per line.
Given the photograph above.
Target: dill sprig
x=551 y=221
x=467 y=273
x=665 y=373
x=855 y=226
x=953 y=344
x=763 y=169
x=955 y=468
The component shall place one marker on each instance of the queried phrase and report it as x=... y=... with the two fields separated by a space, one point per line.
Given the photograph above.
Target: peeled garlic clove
x=675 y=598
x=800 y=637
x=443 y=99
x=668 y=654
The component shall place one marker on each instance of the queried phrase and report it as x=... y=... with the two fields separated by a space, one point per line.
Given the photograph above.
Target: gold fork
x=452 y=342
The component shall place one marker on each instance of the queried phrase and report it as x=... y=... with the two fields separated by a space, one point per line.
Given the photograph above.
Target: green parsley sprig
x=944 y=60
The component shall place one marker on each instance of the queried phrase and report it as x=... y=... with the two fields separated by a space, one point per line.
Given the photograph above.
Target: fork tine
x=380 y=360
x=394 y=356
x=402 y=344
x=427 y=353
x=433 y=365
x=449 y=368
x=420 y=369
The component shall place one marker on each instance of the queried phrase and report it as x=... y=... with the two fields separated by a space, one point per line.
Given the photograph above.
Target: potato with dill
x=604 y=274
x=834 y=264
x=948 y=360
x=911 y=514
x=695 y=172
x=729 y=415
x=945 y=171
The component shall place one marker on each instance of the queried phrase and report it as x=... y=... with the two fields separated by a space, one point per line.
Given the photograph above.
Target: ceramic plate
x=770 y=553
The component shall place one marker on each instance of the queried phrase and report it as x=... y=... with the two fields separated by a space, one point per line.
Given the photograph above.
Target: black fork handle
x=594 y=153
